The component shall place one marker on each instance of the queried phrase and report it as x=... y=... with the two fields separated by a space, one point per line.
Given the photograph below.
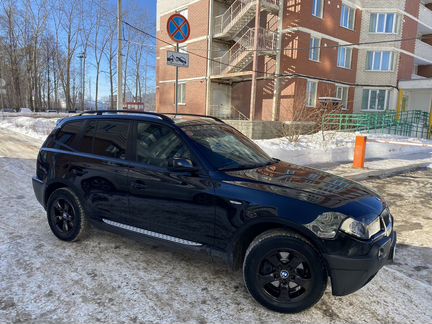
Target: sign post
x=178 y=30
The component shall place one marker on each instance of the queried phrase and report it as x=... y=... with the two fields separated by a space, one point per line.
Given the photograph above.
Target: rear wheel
x=66 y=216
x=284 y=272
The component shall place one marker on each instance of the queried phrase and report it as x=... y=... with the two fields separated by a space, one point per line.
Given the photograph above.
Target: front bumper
x=38 y=188
x=349 y=274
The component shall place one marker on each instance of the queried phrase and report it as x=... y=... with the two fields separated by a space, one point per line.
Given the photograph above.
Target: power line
x=330 y=47
x=257 y=71
x=273 y=75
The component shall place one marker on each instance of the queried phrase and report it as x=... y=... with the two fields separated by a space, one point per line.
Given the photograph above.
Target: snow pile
x=35 y=127
x=338 y=147
x=317 y=141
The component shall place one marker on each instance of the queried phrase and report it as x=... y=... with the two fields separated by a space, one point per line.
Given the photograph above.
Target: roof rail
x=101 y=112
x=163 y=116
x=194 y=115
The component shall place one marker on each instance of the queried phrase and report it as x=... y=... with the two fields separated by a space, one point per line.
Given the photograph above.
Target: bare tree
x=100 y=41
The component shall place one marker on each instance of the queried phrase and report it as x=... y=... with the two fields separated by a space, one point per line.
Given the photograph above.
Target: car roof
x=180 y=120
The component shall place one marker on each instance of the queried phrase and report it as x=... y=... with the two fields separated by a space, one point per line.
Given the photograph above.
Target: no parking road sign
x=178 y=28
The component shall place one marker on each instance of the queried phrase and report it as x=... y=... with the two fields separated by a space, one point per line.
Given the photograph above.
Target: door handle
x=138 y=185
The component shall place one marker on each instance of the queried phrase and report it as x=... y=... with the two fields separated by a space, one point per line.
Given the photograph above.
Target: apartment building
x=269 y=60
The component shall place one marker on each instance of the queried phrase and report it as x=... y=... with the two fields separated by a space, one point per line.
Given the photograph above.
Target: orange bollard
x=360 y=152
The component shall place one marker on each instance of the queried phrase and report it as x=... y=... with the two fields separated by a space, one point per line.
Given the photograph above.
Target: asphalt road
x=111 y=279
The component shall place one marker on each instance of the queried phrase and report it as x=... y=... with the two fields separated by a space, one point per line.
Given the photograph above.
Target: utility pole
x=119 y=57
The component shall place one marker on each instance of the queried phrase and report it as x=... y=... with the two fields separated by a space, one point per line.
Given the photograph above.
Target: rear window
x=66 y=138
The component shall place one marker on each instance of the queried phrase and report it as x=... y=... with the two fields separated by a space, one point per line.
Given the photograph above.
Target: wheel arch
x=57 y=184
x=247 y=234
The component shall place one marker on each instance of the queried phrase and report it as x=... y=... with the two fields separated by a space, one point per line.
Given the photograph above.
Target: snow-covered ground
x=108 y=278
x=111 y=279
x=37 y=127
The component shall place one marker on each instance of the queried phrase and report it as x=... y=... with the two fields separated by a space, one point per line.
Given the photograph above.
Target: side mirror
x=182 y=165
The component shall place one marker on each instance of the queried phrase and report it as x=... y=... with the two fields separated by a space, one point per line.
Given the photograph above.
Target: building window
x=384 y=23
x=181 y=93
x=344 y=57
x=379 y=61
x=342 y=94
x=314 y=51
x=317 y=8
x=347 y=17
x=311 y=93
x=375 y=99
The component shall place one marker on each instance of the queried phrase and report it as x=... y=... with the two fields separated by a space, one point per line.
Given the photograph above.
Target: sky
x=104 y=86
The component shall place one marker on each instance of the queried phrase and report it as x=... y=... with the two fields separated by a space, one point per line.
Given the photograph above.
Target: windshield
x=227 y=149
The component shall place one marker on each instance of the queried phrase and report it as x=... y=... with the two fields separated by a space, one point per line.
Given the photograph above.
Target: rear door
x=176 y=206
x=103 y=168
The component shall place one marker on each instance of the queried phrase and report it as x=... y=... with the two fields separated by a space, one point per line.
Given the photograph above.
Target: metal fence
x=408 y=123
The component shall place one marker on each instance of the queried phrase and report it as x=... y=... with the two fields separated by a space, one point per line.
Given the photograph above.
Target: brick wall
x=410 y=27
x=197 y=70
x=425 y=71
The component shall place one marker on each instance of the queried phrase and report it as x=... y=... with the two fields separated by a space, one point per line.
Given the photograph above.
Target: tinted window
x=226 y=148
x=157 y=144
x=67 y=137
x=86 y=142
x=110 y=139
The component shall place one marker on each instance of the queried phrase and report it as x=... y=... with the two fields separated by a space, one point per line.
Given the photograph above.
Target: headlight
x=326 y=225
x=360 y=230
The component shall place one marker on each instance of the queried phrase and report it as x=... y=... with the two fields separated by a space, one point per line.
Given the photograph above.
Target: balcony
x=424 y=53
x=425 y=18
x=240 y=55
x=238 y=15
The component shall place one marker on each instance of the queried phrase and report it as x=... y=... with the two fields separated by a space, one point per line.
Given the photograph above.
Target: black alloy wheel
x=63 y=215
x=285 y=275
x=66 y=216
x=284 y=272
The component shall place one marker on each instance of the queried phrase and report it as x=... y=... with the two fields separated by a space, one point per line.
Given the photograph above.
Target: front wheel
x=284 y=272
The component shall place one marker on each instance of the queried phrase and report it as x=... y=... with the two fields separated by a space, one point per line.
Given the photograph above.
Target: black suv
x=194 y=181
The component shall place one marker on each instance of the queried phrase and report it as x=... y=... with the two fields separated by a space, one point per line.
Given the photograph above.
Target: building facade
x=271 y=60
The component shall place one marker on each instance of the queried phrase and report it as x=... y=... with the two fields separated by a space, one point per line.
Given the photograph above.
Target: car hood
x=312 y=186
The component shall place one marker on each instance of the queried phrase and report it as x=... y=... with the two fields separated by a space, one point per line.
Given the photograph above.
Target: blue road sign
x=178 y=28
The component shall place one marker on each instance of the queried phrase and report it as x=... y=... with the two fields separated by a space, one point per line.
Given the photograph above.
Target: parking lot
x=108 y=278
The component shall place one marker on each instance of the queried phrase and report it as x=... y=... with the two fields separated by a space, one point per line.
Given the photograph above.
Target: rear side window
x=157 y=144
x=110 y=139
x=87 y=137
x=67 y=137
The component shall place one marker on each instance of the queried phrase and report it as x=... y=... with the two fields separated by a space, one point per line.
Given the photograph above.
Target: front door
x=175 y=206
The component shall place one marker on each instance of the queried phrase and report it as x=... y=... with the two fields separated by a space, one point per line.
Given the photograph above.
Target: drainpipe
x=277 y=84
x=255 y=61
x=210 y=55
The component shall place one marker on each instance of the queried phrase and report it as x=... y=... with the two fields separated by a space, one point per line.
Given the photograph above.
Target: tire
x=284 y=272
x=66 y=215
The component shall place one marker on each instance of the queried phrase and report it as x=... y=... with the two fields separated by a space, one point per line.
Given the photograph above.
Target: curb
x=386 y=172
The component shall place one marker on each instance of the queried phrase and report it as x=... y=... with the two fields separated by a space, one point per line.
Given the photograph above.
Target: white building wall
x=378 y=78
x=164 y=7
x=419 y=99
